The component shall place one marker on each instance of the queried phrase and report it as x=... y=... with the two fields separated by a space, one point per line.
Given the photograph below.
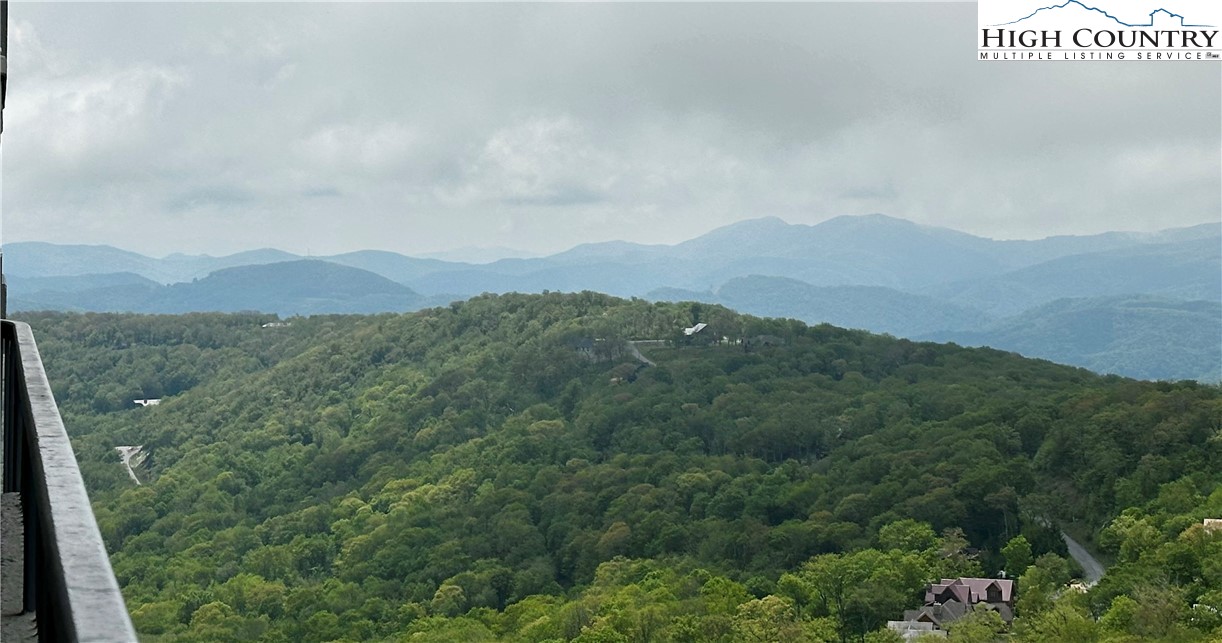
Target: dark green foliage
x=1143 y=306
x=465 y=473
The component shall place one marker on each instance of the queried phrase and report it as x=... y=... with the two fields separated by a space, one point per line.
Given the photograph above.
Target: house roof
x=980 y=587
x=1003 y=610
x=937 y=614
x=970 y=590
x=942 y=593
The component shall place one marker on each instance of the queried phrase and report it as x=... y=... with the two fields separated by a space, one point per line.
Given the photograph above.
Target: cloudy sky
x=214 y=128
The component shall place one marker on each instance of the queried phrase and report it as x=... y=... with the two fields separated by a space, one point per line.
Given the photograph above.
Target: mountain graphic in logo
x=1105 y=13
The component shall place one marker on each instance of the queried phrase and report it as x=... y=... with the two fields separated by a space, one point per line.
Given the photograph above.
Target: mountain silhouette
x=874 y=272
x=1105 y=13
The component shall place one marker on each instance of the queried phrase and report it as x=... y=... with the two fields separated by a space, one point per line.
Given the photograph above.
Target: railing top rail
x=92 y=605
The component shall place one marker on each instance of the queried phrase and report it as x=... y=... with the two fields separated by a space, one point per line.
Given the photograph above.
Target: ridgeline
x=506 y=468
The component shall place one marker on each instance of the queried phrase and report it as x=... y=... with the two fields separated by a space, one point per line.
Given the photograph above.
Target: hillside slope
x=1145 y=337
x=481 y=472
x=302 y=287
x=874 y=308
x=289 y=288
x=873 y=272
x=1187 y=270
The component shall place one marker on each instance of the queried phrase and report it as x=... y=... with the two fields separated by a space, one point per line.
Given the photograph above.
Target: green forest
x=516 y=468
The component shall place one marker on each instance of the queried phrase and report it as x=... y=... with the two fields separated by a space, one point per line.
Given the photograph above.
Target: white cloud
x=541 y=162
x=76 y=116
x=372 y=151
x=220 y=127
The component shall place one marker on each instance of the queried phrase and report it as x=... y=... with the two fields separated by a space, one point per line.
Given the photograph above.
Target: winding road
x=132 y=456
x=636 y=352
x=1092 y=569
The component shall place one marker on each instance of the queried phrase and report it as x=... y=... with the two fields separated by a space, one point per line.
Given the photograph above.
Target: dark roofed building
x=938 y=615
x=952 y=599
x=971 y=591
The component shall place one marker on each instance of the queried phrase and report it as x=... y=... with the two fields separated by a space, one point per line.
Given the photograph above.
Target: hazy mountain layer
x=1145 y=337
x=873 y=272
x=302 y=287
x=36 y=259
x=862 y=250
x=1188 y=269
x=882 y=310
x=77 y=283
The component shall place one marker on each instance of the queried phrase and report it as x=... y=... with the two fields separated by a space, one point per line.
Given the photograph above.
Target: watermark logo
x=1158 y=30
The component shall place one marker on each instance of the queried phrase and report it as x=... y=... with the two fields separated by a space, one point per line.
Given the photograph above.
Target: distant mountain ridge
x=1187 y=269
x=78 y=283
x=479 y=254
x=1145 y=337
x=873 y=272
x=879 y=309
x=847 y=250
x=38 y=259
x=301 y=287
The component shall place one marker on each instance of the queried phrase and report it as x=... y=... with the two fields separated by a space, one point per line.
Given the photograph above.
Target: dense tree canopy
x=508 y=468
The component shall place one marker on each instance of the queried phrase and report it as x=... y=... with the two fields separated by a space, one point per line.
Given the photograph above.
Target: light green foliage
x=1121 y=616
x=860 y=590
x=1166 y=585
x=464 y=472
x=1041 y=583
x=1064 y=622
x=447 y=630
x=767 y=619
x=885 y=635
x=980 y=626
x=1158 y=612
x=906 y=535
x=449 y=600
x=1129 y=537
x=1017 y=553
x=1206 y=614
x=723 y=596
x=157 y=618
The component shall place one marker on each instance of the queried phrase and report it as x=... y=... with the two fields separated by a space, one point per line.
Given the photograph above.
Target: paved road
x=1092 y=569
x=636 y=352
x=131 y=456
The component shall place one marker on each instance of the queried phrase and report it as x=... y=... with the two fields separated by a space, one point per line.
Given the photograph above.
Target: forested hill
x=507 y=468
x=871 y=272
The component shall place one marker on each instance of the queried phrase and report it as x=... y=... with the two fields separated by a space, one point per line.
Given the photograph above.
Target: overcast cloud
x=419 y=127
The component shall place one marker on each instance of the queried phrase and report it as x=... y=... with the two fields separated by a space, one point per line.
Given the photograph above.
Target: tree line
x=463 y=473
